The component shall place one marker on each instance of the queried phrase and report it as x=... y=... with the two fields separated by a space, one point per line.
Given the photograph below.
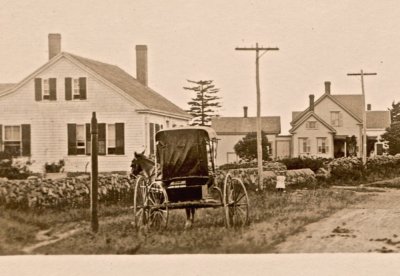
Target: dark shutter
x=88 y=140
x=38 y=89
x=53 y=89
x=119 y=138
x=102 y=139
x=151 y=136
x=1 y=138
x=71 y=139
x=26 y=140
x=68 y=89
x=82 y=88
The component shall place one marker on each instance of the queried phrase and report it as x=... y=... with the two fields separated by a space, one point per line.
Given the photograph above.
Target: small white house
x=231 y=130
x=46 y=116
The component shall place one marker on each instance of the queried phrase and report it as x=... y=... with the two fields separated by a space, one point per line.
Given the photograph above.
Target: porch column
x=345 y=148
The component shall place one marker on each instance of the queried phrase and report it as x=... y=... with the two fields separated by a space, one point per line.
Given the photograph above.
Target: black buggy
x=184 y=177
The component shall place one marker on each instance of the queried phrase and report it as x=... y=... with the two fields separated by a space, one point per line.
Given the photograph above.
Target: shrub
x=304 y=163
x=64 y=193
x=53 y=167
x=267 y=166
x=12 y=169
x=347 y=169
x=300 y=177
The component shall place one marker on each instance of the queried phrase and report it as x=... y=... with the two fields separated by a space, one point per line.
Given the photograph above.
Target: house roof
x=124 y=81
x=351 y=108
x=305 y=118
x=354 y=103
x=242 y=125
x=378 y=119
x=5 y=86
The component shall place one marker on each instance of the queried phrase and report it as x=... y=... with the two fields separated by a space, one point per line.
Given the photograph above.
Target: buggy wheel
x=140 y=209
x=157 y=201
x=236 y=202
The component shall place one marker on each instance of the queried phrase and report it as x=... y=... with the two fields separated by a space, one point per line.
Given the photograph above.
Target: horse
x=143 y=164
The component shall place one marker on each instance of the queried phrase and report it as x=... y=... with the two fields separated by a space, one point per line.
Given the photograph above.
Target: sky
x=318 y=41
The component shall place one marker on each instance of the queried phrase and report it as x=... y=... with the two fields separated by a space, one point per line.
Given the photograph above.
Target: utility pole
x=364 y=129
x=94 y=174
x=259 y=141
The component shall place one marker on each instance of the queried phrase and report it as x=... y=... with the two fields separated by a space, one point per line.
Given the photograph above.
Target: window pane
x=111 y=136
x=80 y=133
x=12 y=133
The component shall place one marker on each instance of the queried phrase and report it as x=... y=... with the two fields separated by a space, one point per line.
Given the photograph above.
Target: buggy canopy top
x=182 y=152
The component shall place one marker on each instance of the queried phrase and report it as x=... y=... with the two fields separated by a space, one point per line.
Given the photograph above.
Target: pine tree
x=203 y=106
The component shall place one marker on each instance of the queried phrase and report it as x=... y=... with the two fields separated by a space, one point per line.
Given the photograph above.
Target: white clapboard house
x=46 y=116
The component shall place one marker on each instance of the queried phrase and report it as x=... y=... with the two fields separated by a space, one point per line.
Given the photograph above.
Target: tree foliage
x=395 y=112
x=203 y=106
x=392 y=134
x=247 y=147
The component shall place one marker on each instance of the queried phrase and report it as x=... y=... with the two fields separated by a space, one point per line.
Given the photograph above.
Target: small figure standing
x=280 y=181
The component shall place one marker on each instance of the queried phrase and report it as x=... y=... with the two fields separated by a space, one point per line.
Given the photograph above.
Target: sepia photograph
x=200 y=132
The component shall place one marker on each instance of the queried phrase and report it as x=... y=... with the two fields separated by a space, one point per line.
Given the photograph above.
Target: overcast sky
x=318 y=40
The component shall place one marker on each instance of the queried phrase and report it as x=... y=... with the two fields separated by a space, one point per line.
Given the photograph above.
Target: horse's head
x=141 y=163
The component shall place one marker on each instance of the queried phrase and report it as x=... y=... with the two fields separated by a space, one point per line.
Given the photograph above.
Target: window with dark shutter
x=38 y=89
x=119 y=139
x=68 y=89
x=53 y=89
x=102 y=139
x=88 y=140
x=26 y=140
x=71 y=139
x=82 y=88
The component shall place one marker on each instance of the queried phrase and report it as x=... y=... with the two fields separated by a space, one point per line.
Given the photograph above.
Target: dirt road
x=371 y=226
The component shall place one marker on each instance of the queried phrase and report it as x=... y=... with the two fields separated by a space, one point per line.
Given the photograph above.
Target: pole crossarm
x=359 y=74
x=256 y=48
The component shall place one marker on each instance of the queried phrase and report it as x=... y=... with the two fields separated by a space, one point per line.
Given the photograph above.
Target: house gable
x=115 y=78
x=321 y=125
x=349 y=108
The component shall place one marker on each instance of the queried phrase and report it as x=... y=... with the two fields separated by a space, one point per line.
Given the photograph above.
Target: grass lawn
x=273 y=218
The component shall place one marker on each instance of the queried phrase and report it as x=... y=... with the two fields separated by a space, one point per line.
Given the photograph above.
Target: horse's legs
x=189 y=217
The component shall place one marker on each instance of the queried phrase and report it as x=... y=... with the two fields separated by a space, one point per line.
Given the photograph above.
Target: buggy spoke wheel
x=140 y=210
x=157 y=206
x=236 y=202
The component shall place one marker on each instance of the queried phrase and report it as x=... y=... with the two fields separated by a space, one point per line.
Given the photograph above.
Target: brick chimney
x=245 y=111
x=141 y=64
x=369 y=107
x=54 y=45
x=311 y=102
x=327 y=87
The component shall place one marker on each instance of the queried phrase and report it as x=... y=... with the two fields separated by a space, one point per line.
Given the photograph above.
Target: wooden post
x=94 y=174
x=364 y=119
x=259 y=136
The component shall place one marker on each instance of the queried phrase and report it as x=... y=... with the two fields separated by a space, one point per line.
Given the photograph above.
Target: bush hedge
x=63 y=193
x=304 y=163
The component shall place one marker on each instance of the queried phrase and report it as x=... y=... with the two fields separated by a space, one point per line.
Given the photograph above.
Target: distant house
x=46 y=116
x=324 y=128
x=231 y=130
